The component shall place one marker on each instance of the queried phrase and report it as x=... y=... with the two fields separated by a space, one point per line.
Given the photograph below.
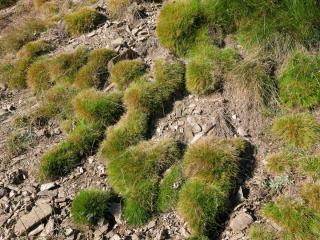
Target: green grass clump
x=56 y=102
x=135 y=175
x=299 y=83
x=300 y=130
x=6 y=69
x=6 y=3
x=296 y=219
x=34 y=49
x=83 y=20
x=311 y=195
x=20 y=34
x=117 y=8
x=17 y=143
x=206 y=69
x=210 y=167
x=65 y=156
x=169 y=188
x=310 y=165
x=95 y=72
x=127 y=71
x=259 y=232
x=178 y=24
x=38 y=76
x=96 y=106
x=89 y=206
x=64 y=67
x=283 y=162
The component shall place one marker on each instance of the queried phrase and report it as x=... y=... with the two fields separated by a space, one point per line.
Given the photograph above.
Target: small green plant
x=64 y=67
x=17 y=143
x=89 y=206
x=127 y=71
x=310 y=165
x=299 y=83
x=95 y=106
x=95 y=72
x=178 y=24
x=169 y=188
x=38 y=76
x=206 y=69
x=295 y=218
x=83 y=20
x=65 y=156
x=278 y=183
x=17 y=36
x=301 y=130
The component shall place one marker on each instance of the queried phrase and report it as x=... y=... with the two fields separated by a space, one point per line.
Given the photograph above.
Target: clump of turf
x=127 y=71
x=95 y=72
x=83 y=20
x=295 y=218
x=311 y=195
x=282 y=162
x=38 y=76
x=301 y=130
x=210 y=167
x=178 y=24
x=207 y=67
x=89 y=206
x=299 y=83
x=169 y=188
x=96 y=106
x=116 y=8
x=64 y=67
x=14 y=38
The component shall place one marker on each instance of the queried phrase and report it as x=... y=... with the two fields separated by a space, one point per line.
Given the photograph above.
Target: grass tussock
x=83 y=20
x=127 y=71
x=300 y=130
x=207 y=67
x=210 y=167
x=282 y=162
x=89 y=206
x=311 y=195
x=299 y=82
x=116 y=8
x=65 y=156
x=17 y=143
x=38 y=76
x=95 y=106
x=296 y=219
x=65 y=66
x=95 y=72
x=14 y=38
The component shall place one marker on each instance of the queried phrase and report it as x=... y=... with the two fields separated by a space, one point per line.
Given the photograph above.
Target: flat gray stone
x=241 y=222
x=26 y=222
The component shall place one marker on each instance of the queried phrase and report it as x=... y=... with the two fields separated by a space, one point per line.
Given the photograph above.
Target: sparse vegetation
x=299 y=83
x=300 y=130
x=116 y=8
x=95 y=72
x=89 y=206
x=127 y=71
x=17 y=143
x=83 y=20
x=260 y=232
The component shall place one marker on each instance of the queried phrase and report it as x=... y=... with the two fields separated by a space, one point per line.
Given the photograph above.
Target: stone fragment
x=241 y=222
x=32 y=219
x=47 y=186
x=115 y=237
x=48 y=230
x=36 y=231
x=116 y=211
x=117 y=42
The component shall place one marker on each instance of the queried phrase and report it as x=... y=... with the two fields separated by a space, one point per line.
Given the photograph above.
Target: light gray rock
x=36 y=231
x=241 y=222
x=32 y=219
x=47 y=186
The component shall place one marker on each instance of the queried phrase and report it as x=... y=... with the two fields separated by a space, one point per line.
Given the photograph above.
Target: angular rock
x=32 y=219
x=47 y=186
x=241 y=222
x=36 y=231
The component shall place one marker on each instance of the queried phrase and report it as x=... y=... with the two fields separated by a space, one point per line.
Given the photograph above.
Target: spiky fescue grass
x=299 y=82
x=311 y=195
x=135 y=174
x=178 y=24
x=207 y=66
x=131 y=129
x=301 y=130
x=282 y=162
x=210 y=167
x=65 y=156
x=296 y=220
x=95 y=106
x=260 y=232
x=21 y=34
x=95 y=72
x=116 y=8
x=65 y=66
x=89 y=206
x=310 y=165
x=83 y=20
x=56 y=102
x=38 y=76
x=34 y=49
x=169 y=188
x=127 y=71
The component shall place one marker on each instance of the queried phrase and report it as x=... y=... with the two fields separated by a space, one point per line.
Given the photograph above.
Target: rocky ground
x=42 y=211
